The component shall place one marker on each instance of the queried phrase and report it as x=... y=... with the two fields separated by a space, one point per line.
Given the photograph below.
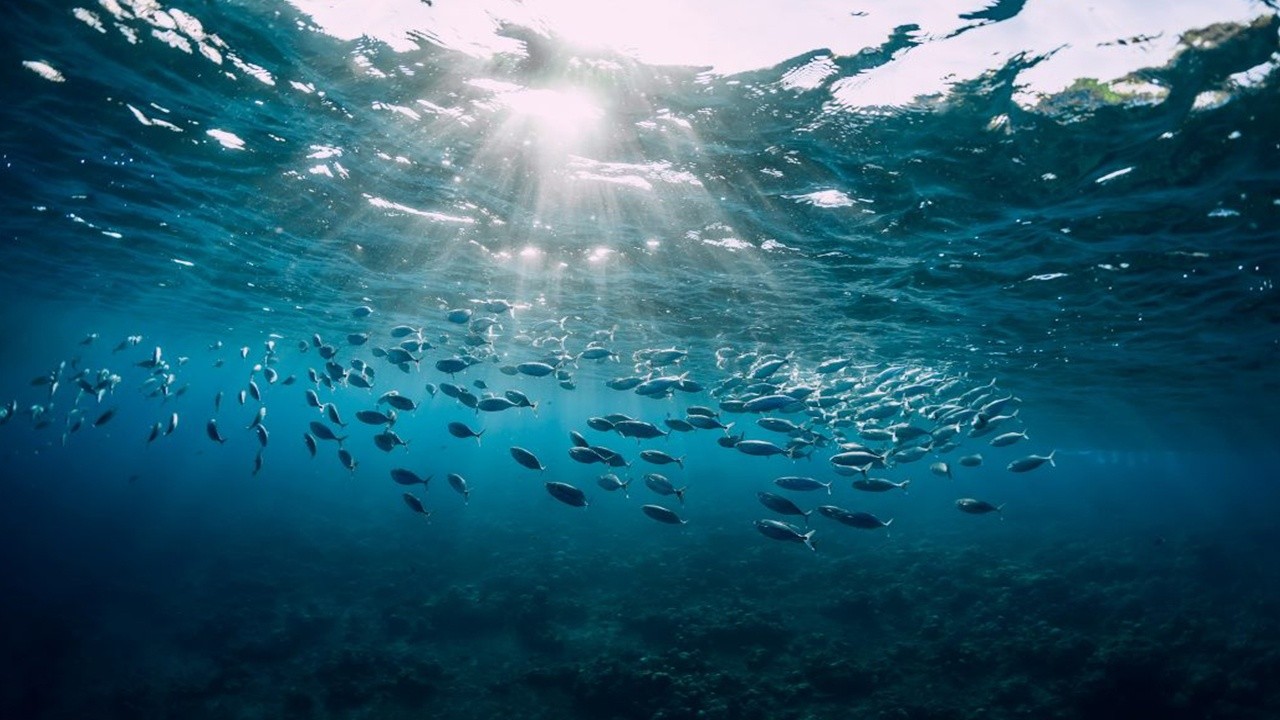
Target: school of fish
x=862 y=419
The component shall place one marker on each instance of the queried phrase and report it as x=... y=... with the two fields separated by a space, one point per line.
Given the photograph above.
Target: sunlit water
x=1078 y=208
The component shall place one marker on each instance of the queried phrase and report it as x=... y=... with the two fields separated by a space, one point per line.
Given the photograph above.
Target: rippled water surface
x=1078 y=207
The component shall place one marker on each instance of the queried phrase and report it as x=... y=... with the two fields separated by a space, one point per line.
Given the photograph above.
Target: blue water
x=1105 y=255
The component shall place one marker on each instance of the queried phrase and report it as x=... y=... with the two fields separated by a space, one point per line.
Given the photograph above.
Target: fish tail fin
x=1051 y=462
x=680 y=494
x=680 y=461
x=808 y=540
x=806 y=517
x=828 y=488
x=888 y=522
x=905 y=483
x=1000 y=508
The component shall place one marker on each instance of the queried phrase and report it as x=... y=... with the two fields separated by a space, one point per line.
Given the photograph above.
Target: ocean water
x=1027 y=217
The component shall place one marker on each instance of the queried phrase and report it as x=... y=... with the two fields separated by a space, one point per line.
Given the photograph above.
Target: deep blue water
x=1103 y=250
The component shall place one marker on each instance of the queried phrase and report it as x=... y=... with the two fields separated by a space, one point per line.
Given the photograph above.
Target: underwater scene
x=554 y=359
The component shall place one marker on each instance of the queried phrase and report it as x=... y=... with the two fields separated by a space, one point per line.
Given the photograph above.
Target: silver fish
x=527 y=459
x=211 y=429
x=977 y=507
x=1031 y=462
x=567 y=494
x=786 y=532
x=663 y=515
x=459 y=484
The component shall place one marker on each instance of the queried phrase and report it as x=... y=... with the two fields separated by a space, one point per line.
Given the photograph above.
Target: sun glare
x=562 y=112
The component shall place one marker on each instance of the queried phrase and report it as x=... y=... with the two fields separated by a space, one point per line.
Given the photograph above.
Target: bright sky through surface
x=741 y=35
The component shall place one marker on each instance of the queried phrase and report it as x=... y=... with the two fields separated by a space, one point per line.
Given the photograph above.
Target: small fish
x=173 y=424
x=332 y=411
x=323 y=432
x=762 y=448
x=585 y=455
x=387 y=440
x=638 y=429
x=521 y=400
x=374 y=417
x=778 y=530
x=624 y=383
x=661 y=485
x=347 y=460
x=494 y=404
x=155 y=432
x=535 y=369
x=105 y=417
x=310 y=442
x=977 y=507
x=801 y=484
x=211 y=429
x=782 y=505
x=1031 y=462
x=860 y=520
x=402 y=331
x=780 y=425
x=400 y=402
x=217 y=401
x=416 y=505
x=258 y=417
x=408 y=477
x=459 y=484
x=657 y=457
x=611 y=482
x=730 y=441
x=462 y=431
x=578 y=440
x=971 y=460
x=663 y=515
x=262 y=434
x=1009 y=438
x=527 y=459
x=567 y=494
x=679 y=425
x=941 y=469
x=362 y=311
x=257 y=463
x=871 y=484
